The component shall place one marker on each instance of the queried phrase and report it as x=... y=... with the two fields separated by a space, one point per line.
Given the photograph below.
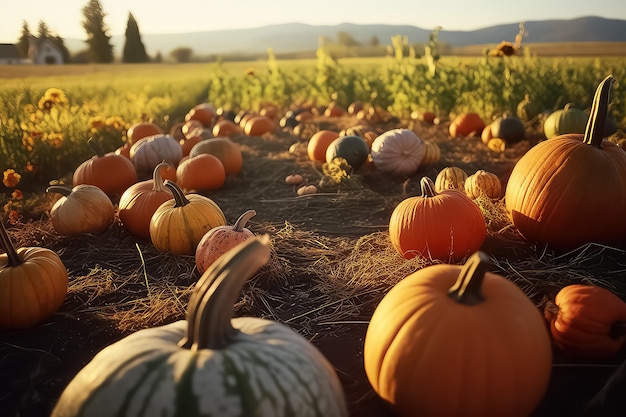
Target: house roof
x=8 y=50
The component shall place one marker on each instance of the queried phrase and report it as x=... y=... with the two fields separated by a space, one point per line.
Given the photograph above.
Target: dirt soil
x=108 y=296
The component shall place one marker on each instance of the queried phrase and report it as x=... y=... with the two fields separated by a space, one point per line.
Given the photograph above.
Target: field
x=332 y=260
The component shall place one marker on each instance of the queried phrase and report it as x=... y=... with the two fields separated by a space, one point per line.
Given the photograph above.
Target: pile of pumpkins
x=440 y=343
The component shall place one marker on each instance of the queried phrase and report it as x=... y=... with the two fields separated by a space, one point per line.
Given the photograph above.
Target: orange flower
x=11 y=178
x=29 y=167
x=14 y=217
x=96 y=123
x=17 y=195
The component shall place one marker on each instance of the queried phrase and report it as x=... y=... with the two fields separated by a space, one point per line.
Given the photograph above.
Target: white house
x=44 y=51
x=9 y=54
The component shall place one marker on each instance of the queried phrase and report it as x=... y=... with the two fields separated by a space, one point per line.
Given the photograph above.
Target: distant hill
x=292 y=37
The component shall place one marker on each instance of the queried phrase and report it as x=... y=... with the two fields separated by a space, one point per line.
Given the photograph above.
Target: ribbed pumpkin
x=446 y=226
x=203 y=172
x=140 y=201
x=571 y=190
x=81 y=209
x=33 y=284
x=398 y=152
x=150 y=151
x=587 y=320
x=203 y=112
x=110 y=172
x=483 y=183
x=178 y=225
x=227 y=151
x=450 y=178
x=458 y=341
x=318 y=144
x=210 y=364
x=466 y=124
x=566 y=120
x=433 y=153
x=352 y=148
x=221 y=239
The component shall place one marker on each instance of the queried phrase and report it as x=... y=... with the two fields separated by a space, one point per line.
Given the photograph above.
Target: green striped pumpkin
x=210 y=364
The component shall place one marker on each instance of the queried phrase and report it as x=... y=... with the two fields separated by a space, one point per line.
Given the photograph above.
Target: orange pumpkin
x=33 y=284
x=187 y=143
x=227 y=151
x=110 y=172
x=202 y=172
x=142 y=130
x=571 y=190
x=587 y=320
x=221 y=239
x=466 y=124
x=226 y=128
x=82 y=209
x=450 y=178
x=259 y=126
x=318 y=144
x=204 y=113
x=452 y=340
x=140 y=201
x=483 y=183
x=446 y=226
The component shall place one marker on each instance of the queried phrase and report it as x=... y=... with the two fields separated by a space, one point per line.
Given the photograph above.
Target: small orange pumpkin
x=466 y=124
x=221 y=239
x=203 y=112
x=446 y=226
x=259 y=126
x=587 y=320
x=142 y=130
x=140 y=201
x=227 y=128
x=318 y=144
x=33 y=284
x=227 y=151
x=202 y=172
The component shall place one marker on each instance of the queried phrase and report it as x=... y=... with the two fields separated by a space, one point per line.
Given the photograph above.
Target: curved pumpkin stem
x=97 y=148
x=211 y=305
x=428 y=187
x=242 y=220
x=594 y=132
x=179 y=196
x=64 y=190
x=13 y=258
x=157 y=178
x=468 y=287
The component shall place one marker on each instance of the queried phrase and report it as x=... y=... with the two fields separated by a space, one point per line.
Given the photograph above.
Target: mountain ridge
x=293 y=36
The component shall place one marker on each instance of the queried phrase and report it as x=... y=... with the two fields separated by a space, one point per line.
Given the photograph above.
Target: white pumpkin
x=210 y=364
x=398 y=152
x=150 y=151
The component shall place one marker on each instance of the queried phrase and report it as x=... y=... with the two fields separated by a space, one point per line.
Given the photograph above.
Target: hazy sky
x=64 y=17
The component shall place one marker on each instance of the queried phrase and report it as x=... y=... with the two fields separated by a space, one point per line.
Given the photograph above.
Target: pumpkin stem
x=13 y=258
x=618 y=329
x=428 y=187
x=96 y=146
x=242 y=220
x=64 y=190
x=179 y=196
x=211 y=305
x=157 y=178
x=468 y=287
x=594 y=132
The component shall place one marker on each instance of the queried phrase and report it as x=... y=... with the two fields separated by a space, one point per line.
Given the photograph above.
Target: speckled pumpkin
x=210 y=364
x=178 y=225
x=221 y=239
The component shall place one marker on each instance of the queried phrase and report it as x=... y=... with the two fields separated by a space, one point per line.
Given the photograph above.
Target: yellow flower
x=28 y=142
x=55 y=95
x=11 y=178
x=116 y=122
x=17 y=195
x=29 y=109
x=54 y=139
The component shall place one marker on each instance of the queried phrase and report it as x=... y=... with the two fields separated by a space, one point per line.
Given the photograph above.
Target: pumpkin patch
x=184 y=273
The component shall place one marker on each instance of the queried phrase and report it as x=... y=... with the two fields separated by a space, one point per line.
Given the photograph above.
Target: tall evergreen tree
x=42 y=30
x=60 y=43
x=98 y=39
x=24 y=41
x=134 y=50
